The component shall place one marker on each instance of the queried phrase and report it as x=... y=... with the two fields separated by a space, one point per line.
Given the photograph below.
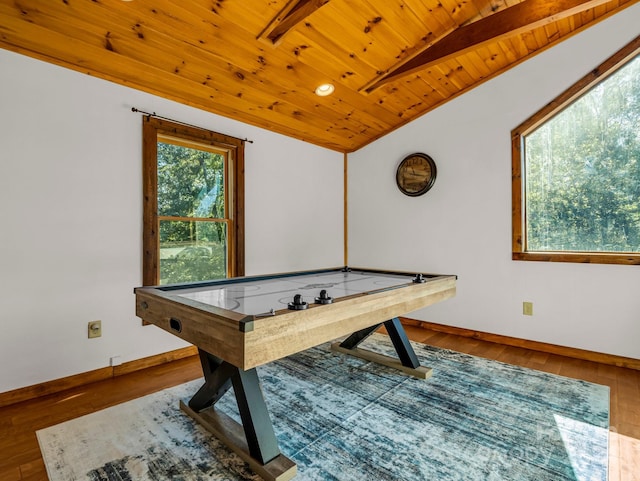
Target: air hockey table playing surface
x=264 y=297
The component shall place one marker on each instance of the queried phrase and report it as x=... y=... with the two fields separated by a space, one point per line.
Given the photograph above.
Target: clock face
x=416 y=174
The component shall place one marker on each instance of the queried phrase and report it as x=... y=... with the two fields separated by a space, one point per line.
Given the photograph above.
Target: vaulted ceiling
x=259 y=62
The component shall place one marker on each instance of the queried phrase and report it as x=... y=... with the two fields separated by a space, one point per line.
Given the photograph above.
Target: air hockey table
x=240 y=323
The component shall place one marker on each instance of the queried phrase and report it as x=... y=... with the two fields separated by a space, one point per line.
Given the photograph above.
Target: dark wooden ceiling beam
x=291 y=15
x=514 y=20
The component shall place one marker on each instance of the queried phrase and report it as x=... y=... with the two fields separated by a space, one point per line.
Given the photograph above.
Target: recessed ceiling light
x=324 y=90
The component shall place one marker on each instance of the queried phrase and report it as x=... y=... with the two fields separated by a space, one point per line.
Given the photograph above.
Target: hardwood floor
x=20 y=457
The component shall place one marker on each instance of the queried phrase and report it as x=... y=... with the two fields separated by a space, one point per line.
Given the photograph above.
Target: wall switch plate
x=95 y=329
x=527 y=308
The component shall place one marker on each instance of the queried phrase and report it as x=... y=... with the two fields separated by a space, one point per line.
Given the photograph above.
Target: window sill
x=579 y=257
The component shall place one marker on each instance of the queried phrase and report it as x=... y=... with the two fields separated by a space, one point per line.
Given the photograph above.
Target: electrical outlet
x=115 y=361
x=527 y=308
x=95 y=329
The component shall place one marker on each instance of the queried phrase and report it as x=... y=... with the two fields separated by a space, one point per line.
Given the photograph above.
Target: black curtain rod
x=148 y=114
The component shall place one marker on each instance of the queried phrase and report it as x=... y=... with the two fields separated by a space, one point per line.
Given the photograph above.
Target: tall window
x=193 y=204
x=576 y=166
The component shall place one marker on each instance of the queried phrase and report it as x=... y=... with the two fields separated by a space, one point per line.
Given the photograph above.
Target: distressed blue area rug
x=345 y=419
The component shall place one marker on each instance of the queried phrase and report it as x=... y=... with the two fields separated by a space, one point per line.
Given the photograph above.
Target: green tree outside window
x=191 y=211
x=576 y=170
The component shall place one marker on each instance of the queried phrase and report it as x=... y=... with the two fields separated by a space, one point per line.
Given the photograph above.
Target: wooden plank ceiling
x=259 y=61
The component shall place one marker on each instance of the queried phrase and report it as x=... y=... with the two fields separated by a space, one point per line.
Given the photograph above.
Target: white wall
x=463 y=225
x=71 y=216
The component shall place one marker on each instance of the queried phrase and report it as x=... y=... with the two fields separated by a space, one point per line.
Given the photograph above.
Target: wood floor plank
x=629 y=457
x=487 y=350
x=33 y=470
x=11 y=474
x=21 y=454
x=614 y=456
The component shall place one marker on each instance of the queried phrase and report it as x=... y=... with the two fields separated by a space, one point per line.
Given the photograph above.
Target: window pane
x=582 y=171
x=192 y=251
x=190 y=182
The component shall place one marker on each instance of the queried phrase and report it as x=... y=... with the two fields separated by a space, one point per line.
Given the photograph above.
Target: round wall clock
x=416 y=174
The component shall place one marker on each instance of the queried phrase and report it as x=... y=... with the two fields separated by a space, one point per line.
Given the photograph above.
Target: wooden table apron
x=232 y=345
